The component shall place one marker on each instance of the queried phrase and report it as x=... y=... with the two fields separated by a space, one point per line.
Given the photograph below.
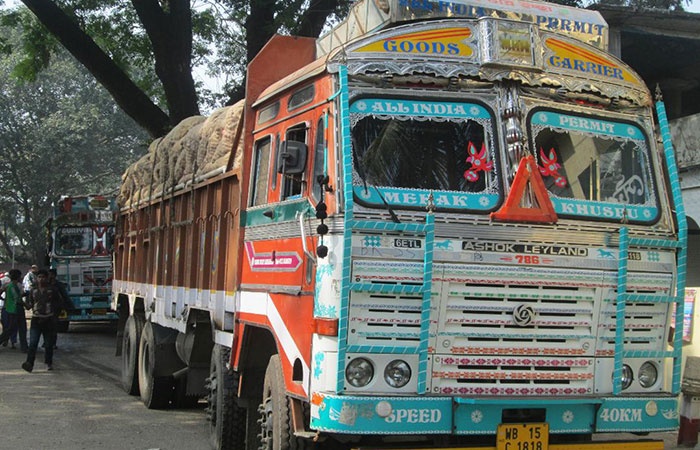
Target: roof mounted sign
x=372 y=15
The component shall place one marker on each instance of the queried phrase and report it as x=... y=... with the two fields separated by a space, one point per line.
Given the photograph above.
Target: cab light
x=627 y=376
x=359 y=372
x=647 y=375
x=397 y=373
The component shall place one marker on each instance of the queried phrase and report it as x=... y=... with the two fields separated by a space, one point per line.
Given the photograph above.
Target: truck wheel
x=62 y=326
x=227 y=421
x=275 y=418
x=130 y=353
x=156 y=392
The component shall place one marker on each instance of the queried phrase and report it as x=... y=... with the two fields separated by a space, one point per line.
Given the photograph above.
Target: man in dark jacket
x=44 y=300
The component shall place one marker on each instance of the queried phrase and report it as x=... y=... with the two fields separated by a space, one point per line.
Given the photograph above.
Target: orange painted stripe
x=581 y=52
x=434 y=34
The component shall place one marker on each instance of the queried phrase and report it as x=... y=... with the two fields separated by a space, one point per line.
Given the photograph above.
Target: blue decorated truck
x=441 y=224
x=80 y=243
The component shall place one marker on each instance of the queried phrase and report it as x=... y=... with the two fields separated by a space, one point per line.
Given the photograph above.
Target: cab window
x=292 y=183
x=261 y=171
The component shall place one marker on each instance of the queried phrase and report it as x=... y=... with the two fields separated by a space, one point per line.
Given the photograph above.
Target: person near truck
x=4 y=281
x=65 y=301
x=13 y=303
x=30 y=279
x=44 y=300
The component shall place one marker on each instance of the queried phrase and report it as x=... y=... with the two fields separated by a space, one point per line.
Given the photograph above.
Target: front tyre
x=275 y=417
x=227 y=421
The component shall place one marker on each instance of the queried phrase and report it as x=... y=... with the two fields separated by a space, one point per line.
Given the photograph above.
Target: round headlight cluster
x=397 y=373
x=647 y=375
x=360 y=372
x=627 y=376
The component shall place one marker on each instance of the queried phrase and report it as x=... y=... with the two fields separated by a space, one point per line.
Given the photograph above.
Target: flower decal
x=479 y=161
x=568 y=416
x=550 y=167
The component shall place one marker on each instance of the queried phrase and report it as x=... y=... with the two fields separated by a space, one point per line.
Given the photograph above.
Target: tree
x=61 y=134
x=144 y=52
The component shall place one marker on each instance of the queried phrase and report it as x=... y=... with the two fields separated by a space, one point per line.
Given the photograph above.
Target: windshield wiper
x=361 y=173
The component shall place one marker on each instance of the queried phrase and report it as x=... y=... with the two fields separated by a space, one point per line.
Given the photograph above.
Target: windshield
x=593 y=167
x=403 y=150
x=86 y=240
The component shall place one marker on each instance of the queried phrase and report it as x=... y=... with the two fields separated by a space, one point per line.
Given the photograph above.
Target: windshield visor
x=594 y=168
x=403 y=150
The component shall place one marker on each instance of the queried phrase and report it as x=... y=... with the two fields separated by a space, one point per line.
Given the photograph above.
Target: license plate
x=99 y=312
x=522 y=436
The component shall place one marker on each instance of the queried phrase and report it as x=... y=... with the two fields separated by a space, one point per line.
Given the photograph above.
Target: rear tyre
x=227 y=421
x=130 y=353
x=62 y=326
x=156 y=391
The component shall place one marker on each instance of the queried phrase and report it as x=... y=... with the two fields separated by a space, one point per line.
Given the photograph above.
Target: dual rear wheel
x=140 y=369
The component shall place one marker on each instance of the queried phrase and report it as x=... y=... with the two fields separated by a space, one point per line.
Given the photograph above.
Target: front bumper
x=481 y=416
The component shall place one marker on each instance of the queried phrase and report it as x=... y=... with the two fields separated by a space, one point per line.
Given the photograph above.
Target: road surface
x=81 y=405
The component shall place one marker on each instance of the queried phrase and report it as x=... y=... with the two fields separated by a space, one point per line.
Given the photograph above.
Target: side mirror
x=291 y=158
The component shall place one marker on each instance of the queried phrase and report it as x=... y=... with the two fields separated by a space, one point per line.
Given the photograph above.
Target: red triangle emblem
x=539 y=208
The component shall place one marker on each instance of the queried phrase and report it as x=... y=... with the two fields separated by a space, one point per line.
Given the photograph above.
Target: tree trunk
x=314 y=18
x=170 y=32
x=126 y=94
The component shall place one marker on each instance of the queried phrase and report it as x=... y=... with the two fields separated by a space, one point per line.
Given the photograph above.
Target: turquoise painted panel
x=425 y=108
x=637 y=415
x=280 y=212
x=604 y=210
x=478 y=417
x=588 y=124
x=383 y=415
x=418 y=198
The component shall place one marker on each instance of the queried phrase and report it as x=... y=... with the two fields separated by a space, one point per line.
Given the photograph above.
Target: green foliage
x=37 y=44
x=60 y=134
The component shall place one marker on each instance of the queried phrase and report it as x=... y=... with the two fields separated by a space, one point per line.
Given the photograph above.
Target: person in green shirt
x=13 y=305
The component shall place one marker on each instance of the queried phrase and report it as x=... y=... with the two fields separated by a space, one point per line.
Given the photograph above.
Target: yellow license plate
x=522 y=436
x=99 y=312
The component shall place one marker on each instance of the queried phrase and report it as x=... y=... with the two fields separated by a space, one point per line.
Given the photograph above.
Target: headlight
x=397 y=373
x=648 y=375
x=627 y=376
x=359 y=372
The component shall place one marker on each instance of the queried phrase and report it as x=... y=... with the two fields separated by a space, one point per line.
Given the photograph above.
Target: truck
x=440 y=224
x=80 y=241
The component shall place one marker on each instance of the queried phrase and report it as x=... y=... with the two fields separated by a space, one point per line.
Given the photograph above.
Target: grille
x=511 y=375
x=504 y=330
x=96 y=280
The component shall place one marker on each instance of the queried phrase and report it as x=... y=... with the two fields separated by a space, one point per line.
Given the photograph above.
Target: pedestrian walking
x=44 y=300
x=4 y=281
x=13 y=302
x=65 y=300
